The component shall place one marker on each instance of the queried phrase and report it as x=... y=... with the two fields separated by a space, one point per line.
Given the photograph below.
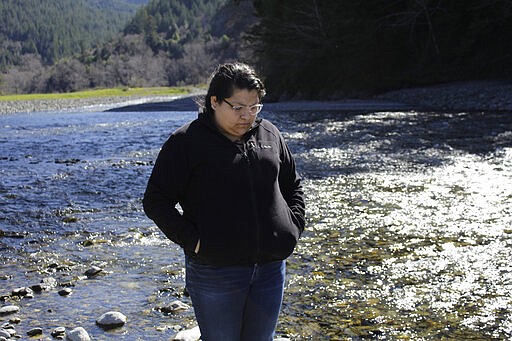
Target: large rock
x=78 y=334
x=112 y=319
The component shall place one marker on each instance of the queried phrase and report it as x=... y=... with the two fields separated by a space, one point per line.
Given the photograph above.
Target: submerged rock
x=112 y=319
x=78 y=334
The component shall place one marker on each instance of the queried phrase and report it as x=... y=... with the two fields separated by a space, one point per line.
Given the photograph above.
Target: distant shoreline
x=463 y=96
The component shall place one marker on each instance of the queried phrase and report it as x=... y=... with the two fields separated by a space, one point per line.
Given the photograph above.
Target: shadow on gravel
x=180 y=104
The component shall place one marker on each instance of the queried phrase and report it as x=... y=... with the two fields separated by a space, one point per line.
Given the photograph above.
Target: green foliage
x=165 y=43
x=303 y=48
x=57 y=28
x=97 y=93
x=314 y=47
x=165 y=23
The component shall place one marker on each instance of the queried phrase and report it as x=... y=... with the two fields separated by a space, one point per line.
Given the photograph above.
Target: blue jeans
x=236 y=303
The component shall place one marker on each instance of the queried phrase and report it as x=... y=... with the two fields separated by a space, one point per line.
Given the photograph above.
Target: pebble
x=78 y=334
x=174 y=307
x=22 y=292
x=9 y=309
x=4 y=334
x=193 y=334
x=58 y=332
x=65 y=291
x=93 y=271
x=11 y=331
x=46 y=283
x=112 y=319
x=39 y=287
x=35 y=332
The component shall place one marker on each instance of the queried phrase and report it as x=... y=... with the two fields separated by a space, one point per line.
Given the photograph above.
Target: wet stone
x=11 y=331
x=78 y=334
x=67 y=284
x=35 y=332
x=49 y=281
x=112 y=319
x=59 y=331
x=65 y=292
x=39 y=287
x=9 y=309
x=174 y=307
x=93 y=271
x=193 y=334
x=15 y=320
x=23 y=291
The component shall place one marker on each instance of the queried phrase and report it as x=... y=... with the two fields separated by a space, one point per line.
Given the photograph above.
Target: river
x=409 y=224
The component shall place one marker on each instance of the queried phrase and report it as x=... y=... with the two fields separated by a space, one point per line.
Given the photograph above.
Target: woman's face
x=231 y=123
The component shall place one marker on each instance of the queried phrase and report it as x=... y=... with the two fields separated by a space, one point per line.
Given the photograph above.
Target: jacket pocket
x=282 y=237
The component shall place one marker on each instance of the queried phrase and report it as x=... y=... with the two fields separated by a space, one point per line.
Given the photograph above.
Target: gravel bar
x=463 y=96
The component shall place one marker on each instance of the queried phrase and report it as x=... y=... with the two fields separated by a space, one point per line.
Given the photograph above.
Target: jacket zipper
x=245 y=155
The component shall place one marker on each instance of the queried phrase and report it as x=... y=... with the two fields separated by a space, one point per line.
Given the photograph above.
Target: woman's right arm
x=164 y=189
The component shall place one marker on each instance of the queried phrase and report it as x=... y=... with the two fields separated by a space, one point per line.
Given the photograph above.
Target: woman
x=242 y=208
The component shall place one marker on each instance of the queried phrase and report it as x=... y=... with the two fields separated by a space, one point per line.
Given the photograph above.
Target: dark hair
x=228 y=77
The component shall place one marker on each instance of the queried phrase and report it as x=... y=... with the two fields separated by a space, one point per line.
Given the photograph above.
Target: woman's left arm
x=290 y=185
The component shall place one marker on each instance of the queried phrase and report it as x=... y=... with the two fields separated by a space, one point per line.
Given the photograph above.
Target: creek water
x=409 y=224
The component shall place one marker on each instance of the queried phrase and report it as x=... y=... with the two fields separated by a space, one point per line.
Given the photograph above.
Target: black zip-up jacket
x=244 y=202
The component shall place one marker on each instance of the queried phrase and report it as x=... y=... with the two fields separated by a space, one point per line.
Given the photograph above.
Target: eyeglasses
x=253 y=109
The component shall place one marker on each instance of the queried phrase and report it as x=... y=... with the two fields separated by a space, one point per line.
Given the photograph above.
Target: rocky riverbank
x=466 y=96
x=10 y=308
x=88 y=104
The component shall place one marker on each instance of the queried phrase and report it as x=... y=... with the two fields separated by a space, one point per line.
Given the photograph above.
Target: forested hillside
x=314 y=48
x=126 y=6
x=303 y=48
x=166 y=42
x=58 y=28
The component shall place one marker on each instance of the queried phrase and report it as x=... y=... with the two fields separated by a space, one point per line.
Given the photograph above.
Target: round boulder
x=112 y=319
x=78 y=334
